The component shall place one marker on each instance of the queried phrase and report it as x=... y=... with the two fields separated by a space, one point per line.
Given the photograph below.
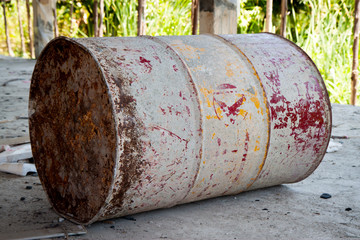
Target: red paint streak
x=182 y=174
x=234 y=151
x=226 y=86
x=211 y=176
x=224 y=152
x=304 y=118
x=233 y=110
x=228 y=172
x=273 y=76
x=180 y=94
x=157 y=58
x=146 y=63
x=148 y=178
x=246 y=146
x=163 y=110
x=177 y=113
x=188 y=110
x=175 y=68
x=172 y=134
x=219 y=141
x=224 y=92
x=170 y=111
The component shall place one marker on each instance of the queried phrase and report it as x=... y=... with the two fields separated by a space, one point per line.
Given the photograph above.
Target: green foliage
x=168 y=17
x=251 y=17
x=325 y=33
x=323 y=28
x=13 y=28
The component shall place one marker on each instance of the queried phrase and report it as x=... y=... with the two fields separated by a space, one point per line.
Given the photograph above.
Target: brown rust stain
x=129 y=130
x=72 y=130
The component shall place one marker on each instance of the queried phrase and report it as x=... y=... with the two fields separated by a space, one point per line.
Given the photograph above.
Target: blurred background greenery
x=323 y=28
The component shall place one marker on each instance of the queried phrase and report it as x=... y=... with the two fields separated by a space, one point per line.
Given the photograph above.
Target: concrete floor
x=293 y=211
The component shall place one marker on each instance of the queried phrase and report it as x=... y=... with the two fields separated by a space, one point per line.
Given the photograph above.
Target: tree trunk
x=56 y=29
x=283 y=17
x=355 y=65
x=11 y=53
x=268 y=22
x=101 y=17
x=96 y=18
x=71 y=17
x=141 y=17
x=31 y=43
x=21 y=29
x=194 y=16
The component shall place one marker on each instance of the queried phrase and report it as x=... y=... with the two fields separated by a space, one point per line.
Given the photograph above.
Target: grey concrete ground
x=293 y=211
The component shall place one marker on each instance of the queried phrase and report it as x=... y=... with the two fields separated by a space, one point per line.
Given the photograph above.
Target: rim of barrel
x=102 y=78
x=326 y=97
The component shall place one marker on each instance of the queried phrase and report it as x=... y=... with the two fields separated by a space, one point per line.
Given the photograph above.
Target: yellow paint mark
x=197 y=68
x=256 y=101
x=203 y=162
x=188 y=51
x=206 y=93
x=257 y=148
x=219 y=112
x=202 y=180
x=213 y=136
x=243 y=112
x=211 y=117
x=229 y=71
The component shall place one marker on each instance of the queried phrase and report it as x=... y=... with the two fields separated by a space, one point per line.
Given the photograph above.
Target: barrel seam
x=185 y=66
x=239 y=52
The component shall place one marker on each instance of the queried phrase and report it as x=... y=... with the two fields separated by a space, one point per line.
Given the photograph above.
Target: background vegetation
x=323 y=28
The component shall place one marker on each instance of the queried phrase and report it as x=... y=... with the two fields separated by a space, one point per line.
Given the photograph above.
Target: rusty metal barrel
x=125 y=125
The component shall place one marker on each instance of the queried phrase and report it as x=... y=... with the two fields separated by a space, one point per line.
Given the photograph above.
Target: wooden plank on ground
x=70 y=230
x=15 y=141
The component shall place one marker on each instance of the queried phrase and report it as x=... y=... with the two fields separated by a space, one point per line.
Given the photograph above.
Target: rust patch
x=72 y=130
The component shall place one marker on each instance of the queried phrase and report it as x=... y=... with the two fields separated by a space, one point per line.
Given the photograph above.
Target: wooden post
x=43 y=15
x=141 y=17
x=194 y=16
x=101 y=17
x=31 y=43
x=96 y=18
x=218 y=16
x=355 y=65
x=22 y=40
x=8 y=43
x=283 y=17
x=268 y=22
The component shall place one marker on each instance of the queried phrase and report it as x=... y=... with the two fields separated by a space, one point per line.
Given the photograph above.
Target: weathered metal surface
x=125 y=125
x=298 y=103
